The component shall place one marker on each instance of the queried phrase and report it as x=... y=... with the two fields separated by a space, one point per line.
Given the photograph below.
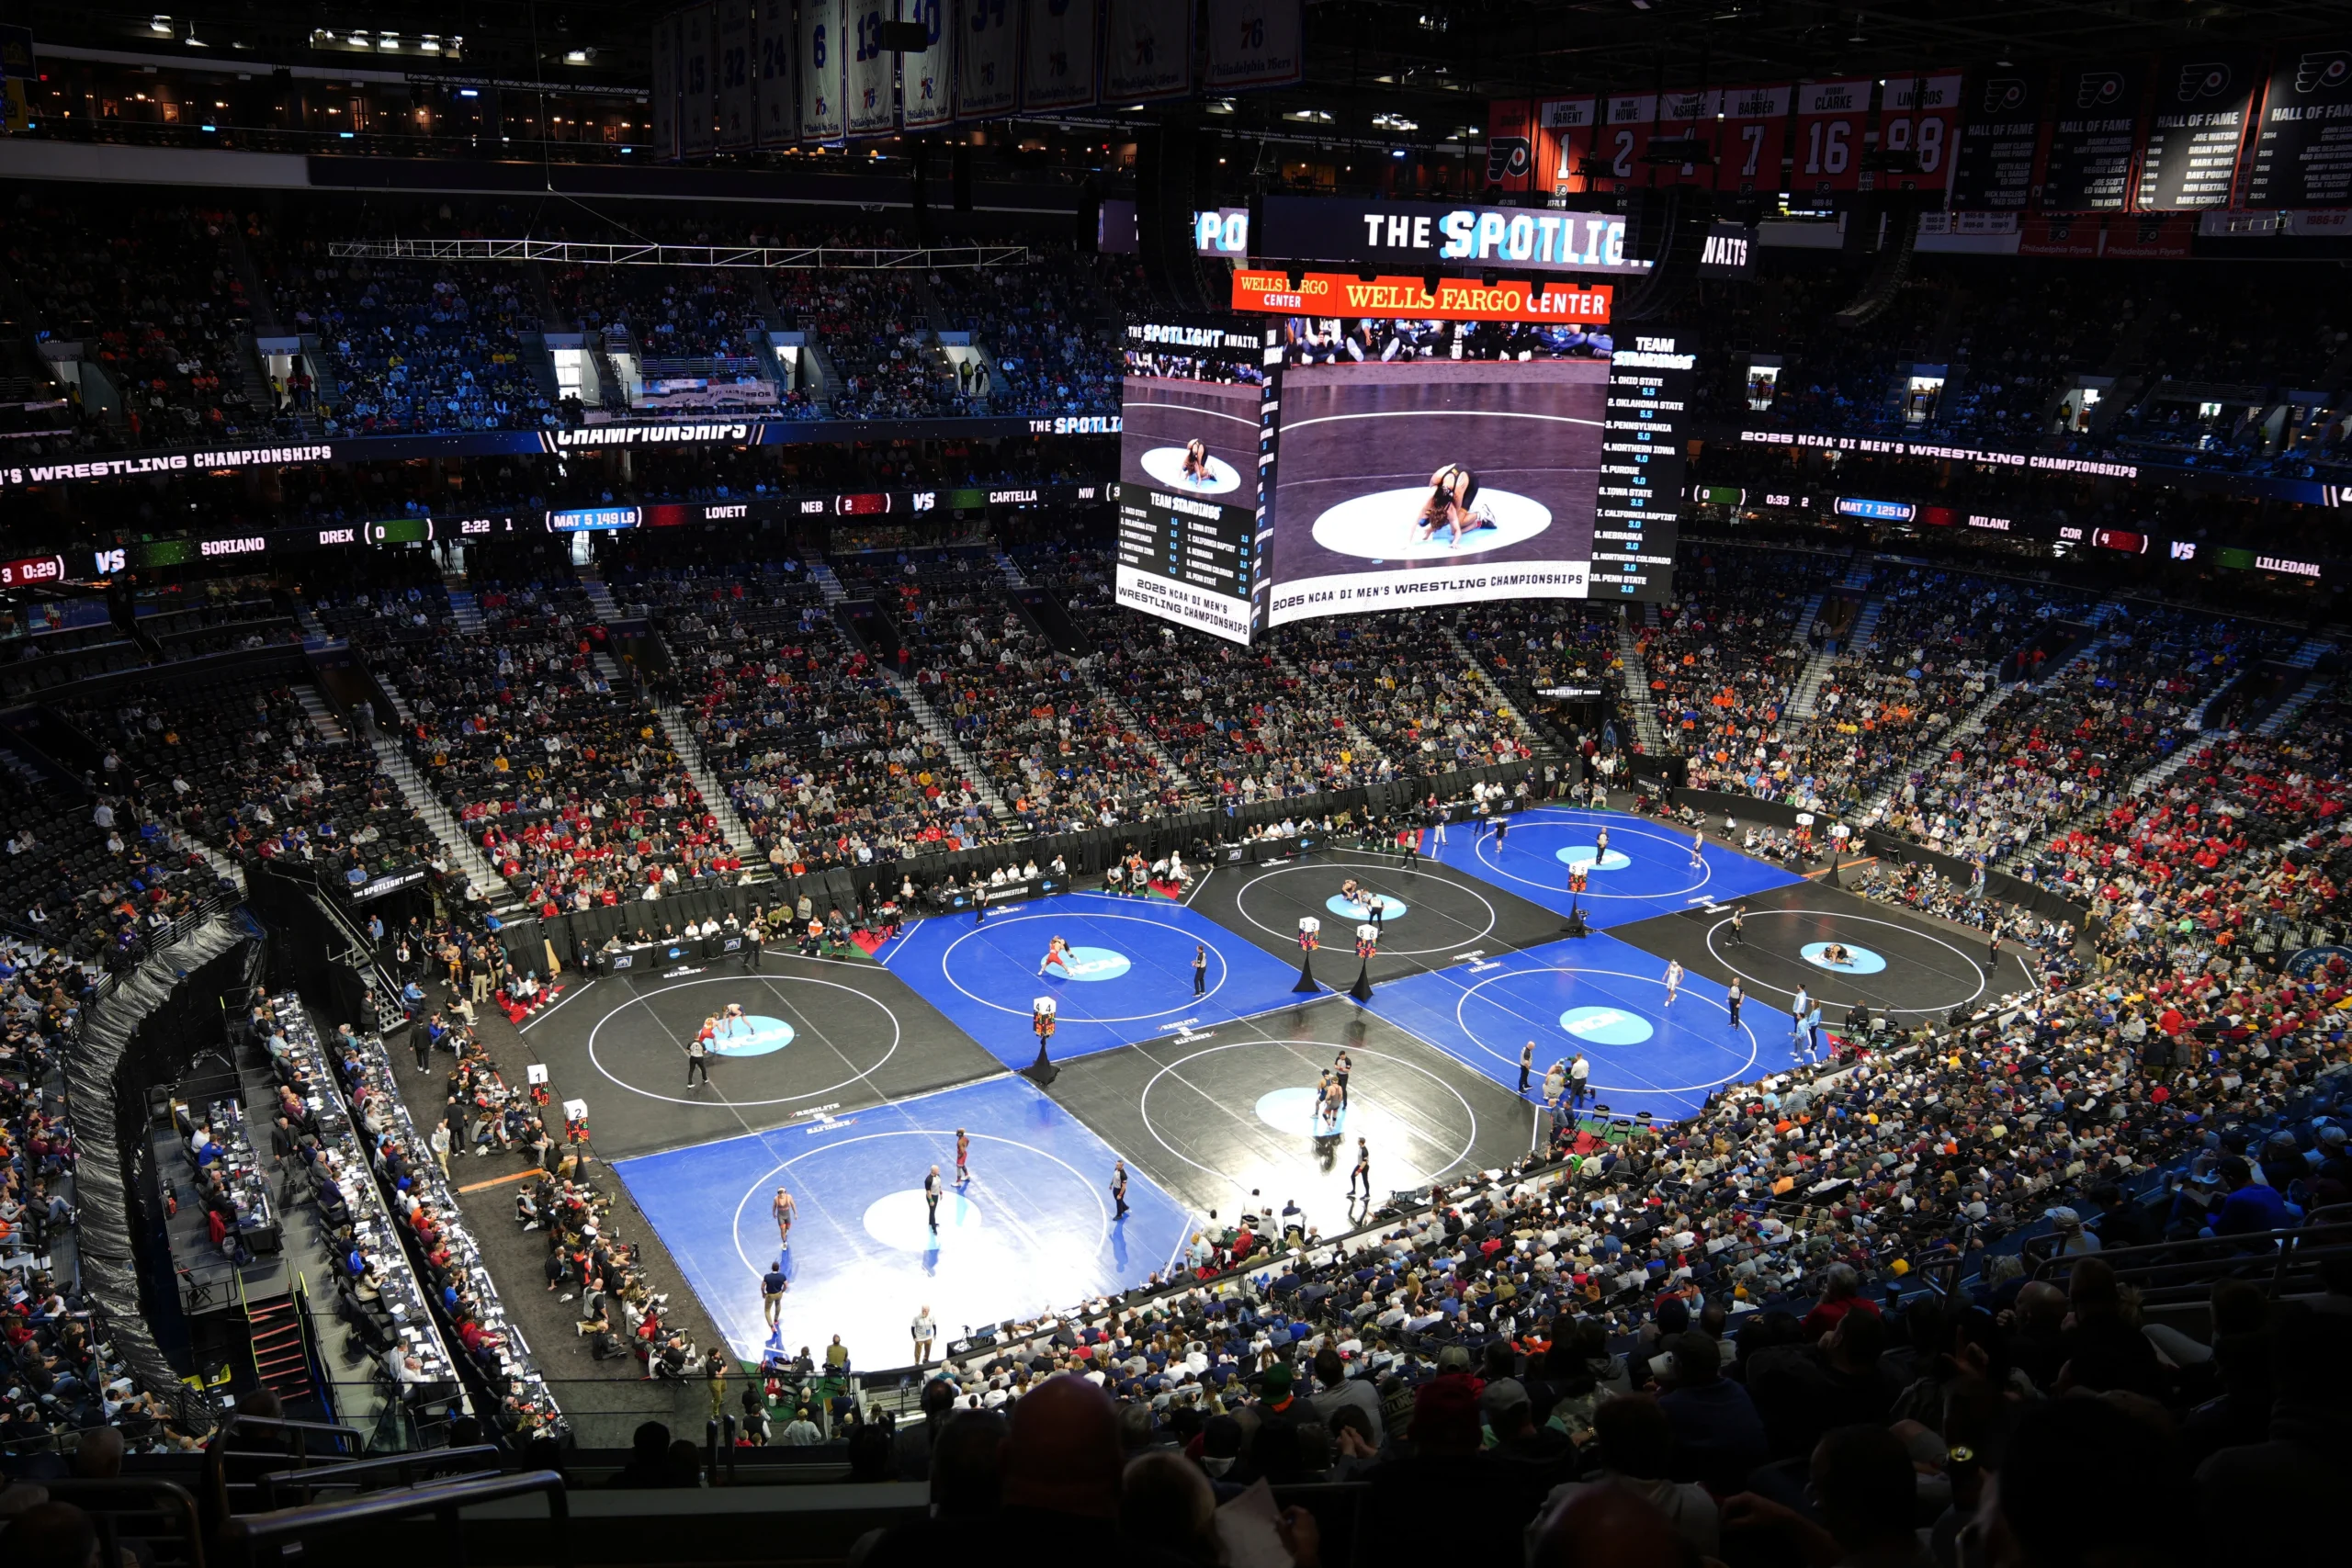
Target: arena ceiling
x=1432 y=62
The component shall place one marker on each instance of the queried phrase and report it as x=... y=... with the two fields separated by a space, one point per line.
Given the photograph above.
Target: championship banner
x=665 y=89
x=819 y=68
x=1920 y=116
x=987 y=58
x=1627 y=122
x=1256 y=43
x=1692 y=116
x=1755 y=137
x=870 y=85
x=2303 y=149
x=697 y=79
x=1833 y=120
x=737 y=126
x=926 y=80
x=774 y=109
x=1058 y=54
x=2196 y=125
x=2089 y=166
x=1146 y=50
x=1349 y=297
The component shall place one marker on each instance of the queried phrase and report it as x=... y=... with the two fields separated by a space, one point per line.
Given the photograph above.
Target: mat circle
x=1510 y=1060
x=1067 y=1017
x=1304 y=1126
x=742 y=982
x=1544 y=820
x=1762 y=917
x=1426 y=901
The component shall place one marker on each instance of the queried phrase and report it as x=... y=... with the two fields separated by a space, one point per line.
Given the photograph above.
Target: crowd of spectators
x=1939 y=642
x=1243 y=721
x=62 y=1375
x=415 y=347
x=568 y=781
x=153 y=296
x=824 y=760
x=244 y=767
x=1044 y=325
x=1063 y=754
x=1723 y=663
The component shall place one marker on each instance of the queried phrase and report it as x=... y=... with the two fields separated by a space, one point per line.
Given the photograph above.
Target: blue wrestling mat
x=1600 y=997
x=1645 y=870
x=1033 y=1229
x=1129 y=977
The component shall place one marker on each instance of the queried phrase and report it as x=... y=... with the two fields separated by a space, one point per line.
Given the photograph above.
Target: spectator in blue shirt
x=2252 y=1206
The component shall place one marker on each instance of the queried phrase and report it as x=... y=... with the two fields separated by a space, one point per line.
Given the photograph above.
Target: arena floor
x=846 y=1080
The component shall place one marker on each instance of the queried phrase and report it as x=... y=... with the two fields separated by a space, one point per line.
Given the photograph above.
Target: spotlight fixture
x=1296 y=277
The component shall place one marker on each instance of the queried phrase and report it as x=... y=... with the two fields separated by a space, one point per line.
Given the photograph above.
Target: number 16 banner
x=1831 y=119
x=1256 y=43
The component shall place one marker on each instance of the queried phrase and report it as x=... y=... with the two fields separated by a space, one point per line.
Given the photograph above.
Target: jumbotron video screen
x=1190 y=434
x=1446 y=462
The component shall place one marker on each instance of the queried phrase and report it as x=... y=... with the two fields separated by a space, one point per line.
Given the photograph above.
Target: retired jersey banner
x=775 y=110
x=1539 y=144
x=1058 y=54
x=870 y=85
x=737 y=127
x=927 y=80
x=2000 y=138
x=1256 y=43
x=1755 y=137
x=819 y=62
x=1691 y=116
x=1833 y=120
x=2196 y=122
x=2303 y=149
x=665 y=89
x=1146 y=50
x=1627 y=122
x=2094 y=135
x=987 y=58
x=1349 y=297
x=1920 y=116
x=697 y=78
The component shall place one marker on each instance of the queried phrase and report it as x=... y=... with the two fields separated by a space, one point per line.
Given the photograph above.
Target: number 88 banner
x=1832 y=118
x=1921 y=116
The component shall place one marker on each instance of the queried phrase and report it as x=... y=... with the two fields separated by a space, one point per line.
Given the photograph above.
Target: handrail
x=339 y=1475
x=2241 y=1253
x=245 y=1533
x=169 y=1495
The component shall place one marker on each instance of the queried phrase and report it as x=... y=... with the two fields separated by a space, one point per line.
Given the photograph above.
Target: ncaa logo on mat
x=1095 y=964
x=1606 y=1026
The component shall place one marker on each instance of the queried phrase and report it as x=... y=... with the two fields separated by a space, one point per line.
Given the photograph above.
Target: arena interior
x=606 y=729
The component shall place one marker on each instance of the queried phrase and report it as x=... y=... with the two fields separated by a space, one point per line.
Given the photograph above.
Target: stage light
x=1296 y=277
x=1430 y=281
x=1535 y=289
x=1490 y=278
